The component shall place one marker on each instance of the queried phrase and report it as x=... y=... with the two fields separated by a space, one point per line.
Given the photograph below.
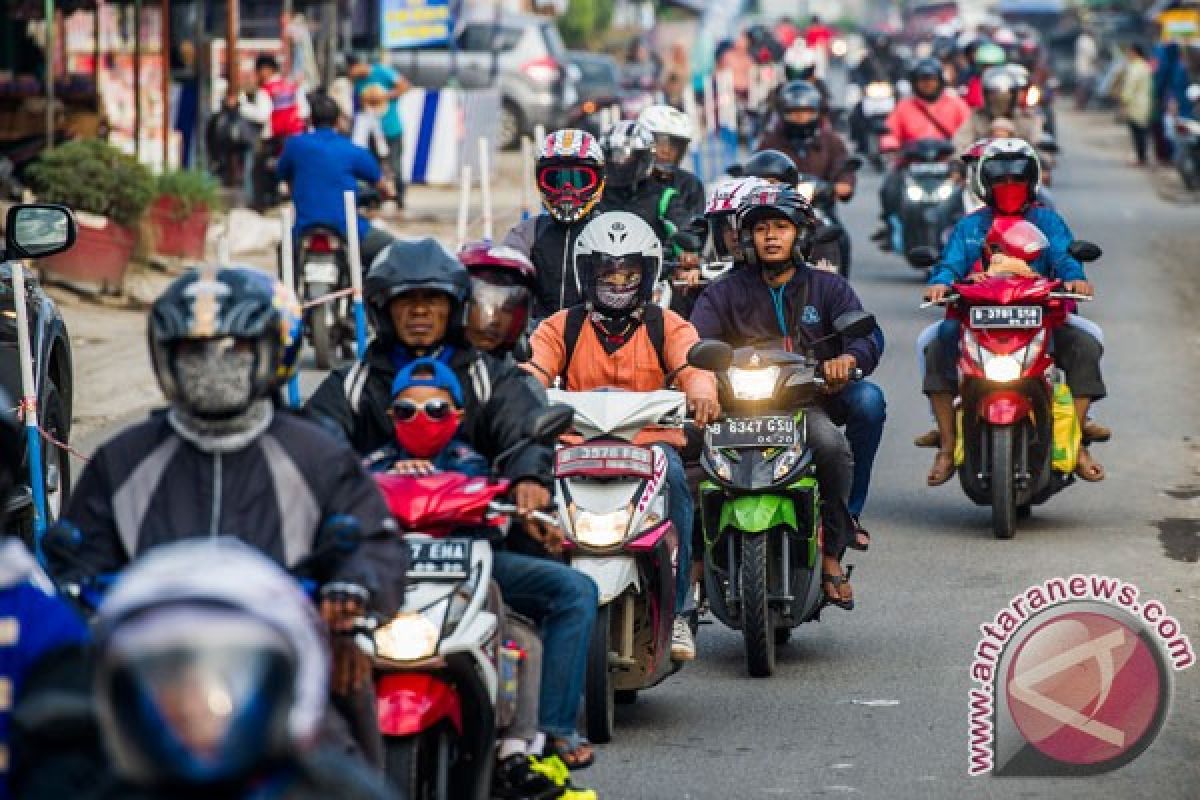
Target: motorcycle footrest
x=617 y=662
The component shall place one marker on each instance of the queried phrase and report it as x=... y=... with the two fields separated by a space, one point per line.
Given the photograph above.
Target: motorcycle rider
x=778 y=296
x=720 y=214
x=618 y=338
x=500 y=309
x=672 y=132
x=570 y=179
x=1000 y=102
x=880 y=64
x=931 y=112
x=281 y=109
x=416 y=294
x=320 y=166
x=223 y=459
x=987 y=56
x=1008 y=174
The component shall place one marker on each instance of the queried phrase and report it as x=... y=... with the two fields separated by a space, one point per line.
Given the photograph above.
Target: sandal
x=1095 y=432
x=575 y=751
x=862 y=538
x=942 y=470
x=837 y=581
x=1087 y=468
x=929 y=439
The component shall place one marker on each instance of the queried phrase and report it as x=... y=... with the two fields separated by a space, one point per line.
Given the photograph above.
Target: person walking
x=394 y=85
x=1136 y=98
x=1087 y=60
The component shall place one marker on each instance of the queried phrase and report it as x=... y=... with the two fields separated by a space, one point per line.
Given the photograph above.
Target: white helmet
x=664 y=120
x=611 y=240
x=727 y=196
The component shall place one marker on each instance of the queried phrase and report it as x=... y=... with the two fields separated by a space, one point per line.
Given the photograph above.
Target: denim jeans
x=563 y=602
x=862 y=409
x=681 y=512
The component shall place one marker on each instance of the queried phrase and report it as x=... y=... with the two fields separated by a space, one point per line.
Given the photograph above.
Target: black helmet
x=12 y=450
x=776 y=202
x=878 y=41
x=772 y=165
x=222 y=338
x=628 y=154
x=406 y=266
x=800 y=96
x=927 y=68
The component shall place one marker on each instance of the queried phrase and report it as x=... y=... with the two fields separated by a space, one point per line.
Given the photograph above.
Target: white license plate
x=320 y=272
x=1006 y=316
x=878 y=105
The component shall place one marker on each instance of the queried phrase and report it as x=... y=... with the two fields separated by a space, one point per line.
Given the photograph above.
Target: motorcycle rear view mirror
x=1084 y=251
x=711 y=355
x=552 y=423
x=855 y=324
x=923 y=256
x=827 y=234
x=37 y=231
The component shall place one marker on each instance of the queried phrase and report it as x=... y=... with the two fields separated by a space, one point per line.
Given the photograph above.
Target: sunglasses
x=404 y=410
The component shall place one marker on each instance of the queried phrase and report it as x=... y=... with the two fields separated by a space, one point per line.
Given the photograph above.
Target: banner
x=414 y=23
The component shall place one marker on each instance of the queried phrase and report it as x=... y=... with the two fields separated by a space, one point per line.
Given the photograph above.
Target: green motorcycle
x=759 y=500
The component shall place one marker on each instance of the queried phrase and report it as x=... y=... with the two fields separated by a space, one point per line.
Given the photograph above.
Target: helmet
x=1008 y=175
x=999 y=91
x=570 y=174
x=222 y=338
x=773 y=166
x=1006 y=39
x=721 y=211
x=668 y=125
x=776 y=202
x=800 y=61
x=800 y=96
x=878 y=41
x=409 y=265
x=503 y=282
x=989 y=54
x=614 y=239
x=923 y=69
x=210 y=662
x=628 y=153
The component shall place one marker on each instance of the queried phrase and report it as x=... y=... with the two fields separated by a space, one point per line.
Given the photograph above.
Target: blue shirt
x=966 y=247
x=386 y=77
x=320 y=166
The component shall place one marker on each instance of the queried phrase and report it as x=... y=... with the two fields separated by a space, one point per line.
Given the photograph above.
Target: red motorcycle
x=1006 y=390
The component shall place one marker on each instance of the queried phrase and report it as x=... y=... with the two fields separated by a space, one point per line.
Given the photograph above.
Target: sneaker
x=516 y=779
x=683 y=646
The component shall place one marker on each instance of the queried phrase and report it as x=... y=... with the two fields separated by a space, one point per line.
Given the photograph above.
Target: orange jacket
x=634 y=367
x=908 y=121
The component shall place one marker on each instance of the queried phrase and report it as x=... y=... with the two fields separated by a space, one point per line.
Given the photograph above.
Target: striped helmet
x=570 y=174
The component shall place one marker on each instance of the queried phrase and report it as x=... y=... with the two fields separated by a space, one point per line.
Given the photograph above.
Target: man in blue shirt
x=364 y=75
x=320 y=166
x=1009 y=174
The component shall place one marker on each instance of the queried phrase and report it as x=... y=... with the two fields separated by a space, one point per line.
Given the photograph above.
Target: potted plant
x=180 y=213
x=109 y=191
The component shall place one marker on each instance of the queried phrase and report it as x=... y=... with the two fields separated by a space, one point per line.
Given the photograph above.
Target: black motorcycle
x=932 y=197
x=1187 y=145
x=833 y=243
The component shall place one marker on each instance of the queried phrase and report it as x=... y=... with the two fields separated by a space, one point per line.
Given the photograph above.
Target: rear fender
x=410 y=702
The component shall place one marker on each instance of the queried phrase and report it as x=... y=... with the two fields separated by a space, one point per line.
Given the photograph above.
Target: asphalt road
x=873 y=703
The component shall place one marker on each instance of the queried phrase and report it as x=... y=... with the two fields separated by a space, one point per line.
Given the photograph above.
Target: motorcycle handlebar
x=511 y=510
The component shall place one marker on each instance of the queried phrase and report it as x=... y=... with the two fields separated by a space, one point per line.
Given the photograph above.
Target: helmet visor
x=497 y=314
x=994 y=170
x=215 y=377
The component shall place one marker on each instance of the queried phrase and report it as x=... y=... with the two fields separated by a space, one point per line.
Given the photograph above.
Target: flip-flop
x=568 y=751
x=1085 y=471
x=942 y=470
x=837 y=581
x=861 y=540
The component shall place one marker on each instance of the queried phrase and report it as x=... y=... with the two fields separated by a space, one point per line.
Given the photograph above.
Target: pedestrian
x=394 y=86
x=1086 y=62
x=1170 y=96
x=1136 y=99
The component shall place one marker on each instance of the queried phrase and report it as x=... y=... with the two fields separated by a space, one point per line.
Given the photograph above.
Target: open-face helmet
x=503 y=283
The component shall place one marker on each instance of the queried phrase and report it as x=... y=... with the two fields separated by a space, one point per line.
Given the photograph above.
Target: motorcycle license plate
x=448 y=559
x=1006 y=317
x=874 y=106
x=320 y=271
x=737 y=432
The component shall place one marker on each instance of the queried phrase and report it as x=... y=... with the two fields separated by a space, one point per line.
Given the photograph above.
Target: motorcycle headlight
x=786 y=462
x=753 y=384
x=601 y=530
x=1002 y=369
x=914 y=193
x=944 y=191
x=839 y=48
x=879 y=89
x=720 y=464
x=410 y=635
x=1033 y=97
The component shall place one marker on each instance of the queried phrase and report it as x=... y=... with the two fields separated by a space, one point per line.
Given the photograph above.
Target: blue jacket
x=742 y=310
x=966 y=247
x=458 y=456
x=320 y=166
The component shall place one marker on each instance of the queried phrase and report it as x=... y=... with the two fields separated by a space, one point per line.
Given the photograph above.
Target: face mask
x=215 y=384
x=1010 y=198
x=424 y=437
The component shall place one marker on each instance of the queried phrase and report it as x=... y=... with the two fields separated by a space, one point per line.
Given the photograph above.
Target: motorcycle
x=613 y=495
x=438 y=661
x=834 y=243
x=1008 y=387
x=871 y=104
x=1187 y=144
x=932 y=203
x=759 y=498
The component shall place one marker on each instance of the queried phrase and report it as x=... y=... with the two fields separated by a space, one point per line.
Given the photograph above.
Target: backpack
x=652 y=318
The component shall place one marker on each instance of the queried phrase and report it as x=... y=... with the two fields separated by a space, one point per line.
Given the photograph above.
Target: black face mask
x=801 y=132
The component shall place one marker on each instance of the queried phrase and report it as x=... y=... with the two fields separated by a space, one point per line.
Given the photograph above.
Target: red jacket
x=286 y=119
x=913 y=119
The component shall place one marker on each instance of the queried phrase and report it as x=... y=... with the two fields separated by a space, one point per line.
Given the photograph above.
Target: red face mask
x=1010 y=198
x=422 y=435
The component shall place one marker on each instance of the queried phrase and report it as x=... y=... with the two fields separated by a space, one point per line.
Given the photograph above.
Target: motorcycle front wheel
x=599 y=696
x=321 y=326
x=758 y=627
x=1004 y=496
x=419 y=766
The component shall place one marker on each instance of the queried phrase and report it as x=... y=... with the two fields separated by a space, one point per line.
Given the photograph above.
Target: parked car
x=32 y=231
x=599 y=87
x=521 y=54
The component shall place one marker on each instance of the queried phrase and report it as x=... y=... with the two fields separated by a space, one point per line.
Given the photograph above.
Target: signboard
x=414 y=23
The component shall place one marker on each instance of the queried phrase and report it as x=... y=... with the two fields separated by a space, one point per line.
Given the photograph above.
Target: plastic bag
x=1067 y=433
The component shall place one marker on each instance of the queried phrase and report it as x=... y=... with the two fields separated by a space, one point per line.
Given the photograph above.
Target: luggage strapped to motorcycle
x=652 y=318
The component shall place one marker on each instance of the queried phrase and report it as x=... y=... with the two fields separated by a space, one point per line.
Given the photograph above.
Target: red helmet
x=503 y=282
x=1014 y=237
x=570 y=174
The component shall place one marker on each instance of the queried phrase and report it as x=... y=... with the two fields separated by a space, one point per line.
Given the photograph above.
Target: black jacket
x=550 y=245
x=689 y=199
x=149 y=486
x=645 y=200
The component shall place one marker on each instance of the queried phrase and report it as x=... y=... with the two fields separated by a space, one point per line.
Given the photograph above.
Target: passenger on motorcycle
x=416 y=294
x=1008 y=174
x=223 y=459
x=570 y=179
x=672 y=132
x=500 y=309
x=618 y=338
x=720 y=213
x=932 y=112
x=777 y=296
x=322 y=165
x=880 y=63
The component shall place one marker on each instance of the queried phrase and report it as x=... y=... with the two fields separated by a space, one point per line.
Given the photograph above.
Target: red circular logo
x=1084 y=688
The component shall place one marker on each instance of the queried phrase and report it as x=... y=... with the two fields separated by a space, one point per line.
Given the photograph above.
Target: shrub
x=192 y=190
x=93 y=176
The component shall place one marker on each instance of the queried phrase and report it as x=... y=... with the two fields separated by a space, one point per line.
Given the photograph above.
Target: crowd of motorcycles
x=446 y=676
